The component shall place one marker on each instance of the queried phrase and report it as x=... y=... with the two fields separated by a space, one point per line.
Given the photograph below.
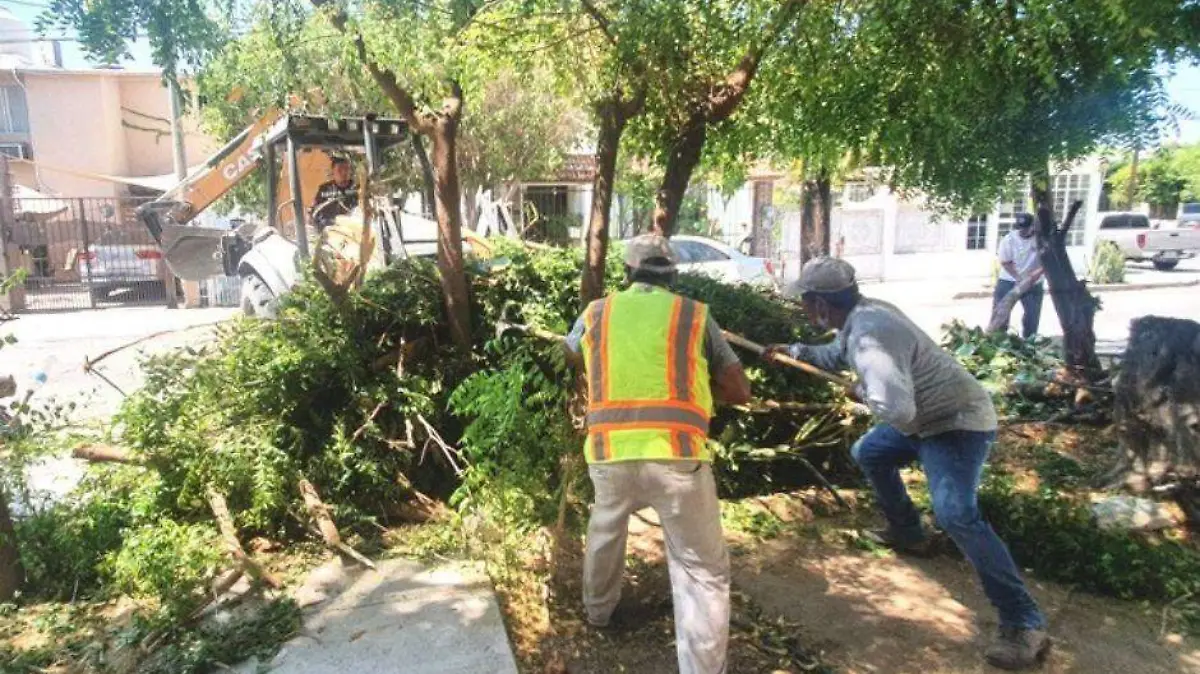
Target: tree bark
x=427 y=192
x=11 y=573
x=442 y=128
x=1075 y=306
x=760 y=234
x=449 y=218
x=815 y=217
x=682 y=161
x=612 y=113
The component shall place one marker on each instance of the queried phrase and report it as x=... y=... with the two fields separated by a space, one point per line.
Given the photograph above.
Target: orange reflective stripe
x=695 y=328
x=673 y=364
x=682 y=444
x=641 y=426
x=634 y=404
x=600 y=451
x=597 y=331
x=680 y=349
x=648 y=414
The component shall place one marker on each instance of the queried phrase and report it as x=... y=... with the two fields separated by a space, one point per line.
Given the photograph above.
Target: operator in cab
x=335 y=197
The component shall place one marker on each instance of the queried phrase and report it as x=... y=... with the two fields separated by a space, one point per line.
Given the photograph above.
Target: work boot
x=1017 y=648
x=924 y=547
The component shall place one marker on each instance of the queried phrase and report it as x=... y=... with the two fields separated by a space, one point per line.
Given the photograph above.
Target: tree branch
x=1070 y=219
x=727 y=95
x=602 y=21
x=399 y=96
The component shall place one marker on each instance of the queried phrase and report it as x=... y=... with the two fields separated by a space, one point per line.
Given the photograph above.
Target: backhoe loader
x=267 y=261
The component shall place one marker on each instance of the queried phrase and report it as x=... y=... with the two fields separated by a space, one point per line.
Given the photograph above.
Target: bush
x=168 y=560
x=1108 y=263
x=1006 y=365
x=1055 y=536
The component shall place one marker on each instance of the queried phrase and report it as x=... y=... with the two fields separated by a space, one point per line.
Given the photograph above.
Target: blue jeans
x=1031 y=305
x=953 y=463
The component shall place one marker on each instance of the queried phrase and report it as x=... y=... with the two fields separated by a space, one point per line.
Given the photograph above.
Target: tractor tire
x=1166 y=265
x=257 y=299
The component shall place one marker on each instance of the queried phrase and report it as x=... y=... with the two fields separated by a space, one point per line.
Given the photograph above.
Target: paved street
x=58 y=343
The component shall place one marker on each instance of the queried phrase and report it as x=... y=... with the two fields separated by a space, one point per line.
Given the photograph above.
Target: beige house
x=84 y=147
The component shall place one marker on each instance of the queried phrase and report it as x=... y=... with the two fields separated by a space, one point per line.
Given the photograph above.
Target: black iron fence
x=84 y=253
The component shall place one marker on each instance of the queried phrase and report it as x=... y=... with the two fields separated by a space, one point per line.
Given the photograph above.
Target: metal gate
x=85 y=253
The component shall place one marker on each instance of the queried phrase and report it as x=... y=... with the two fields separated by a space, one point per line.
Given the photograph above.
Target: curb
x=1106 y=288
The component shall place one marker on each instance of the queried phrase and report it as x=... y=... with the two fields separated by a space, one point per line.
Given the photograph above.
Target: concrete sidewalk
x=403 y=617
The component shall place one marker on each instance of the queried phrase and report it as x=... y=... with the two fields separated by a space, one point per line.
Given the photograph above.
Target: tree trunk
x=763 y=197
x=448 y=200
x=427 y=193
x=680 y=164
x=612 y=113
x=1075 y=306
x=815 y=217
x=11 y=574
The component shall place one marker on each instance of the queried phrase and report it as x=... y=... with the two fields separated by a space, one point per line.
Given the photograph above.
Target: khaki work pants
x=684 y=494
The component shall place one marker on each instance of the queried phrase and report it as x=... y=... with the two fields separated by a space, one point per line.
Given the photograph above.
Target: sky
x=1183 y=85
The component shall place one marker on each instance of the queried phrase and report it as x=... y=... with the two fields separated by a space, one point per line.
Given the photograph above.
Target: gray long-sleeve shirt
x=905 y=378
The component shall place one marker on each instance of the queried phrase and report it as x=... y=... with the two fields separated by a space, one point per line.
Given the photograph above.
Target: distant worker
x=931 y=411
x=335 y=197
x=1019 y=261
x=656 y=363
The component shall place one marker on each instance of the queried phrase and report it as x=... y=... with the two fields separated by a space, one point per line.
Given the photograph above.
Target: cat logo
x=234 y=169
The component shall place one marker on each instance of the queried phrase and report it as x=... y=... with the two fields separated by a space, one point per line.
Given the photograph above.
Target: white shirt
x=1021 y=252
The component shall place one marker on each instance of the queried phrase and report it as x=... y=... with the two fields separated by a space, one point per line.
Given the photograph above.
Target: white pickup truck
x=1132 y=233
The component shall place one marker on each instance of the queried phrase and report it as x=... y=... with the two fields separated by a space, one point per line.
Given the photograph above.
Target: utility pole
x=179 y=155
x=180 y=151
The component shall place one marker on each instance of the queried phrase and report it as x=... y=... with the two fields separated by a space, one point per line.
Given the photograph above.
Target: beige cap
x=822 y=275
x=642 y=249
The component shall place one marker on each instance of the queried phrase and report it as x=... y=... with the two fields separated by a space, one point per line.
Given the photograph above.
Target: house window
x=1065 y=189
x=977 y=228
x=14 y=114
x=858 y=192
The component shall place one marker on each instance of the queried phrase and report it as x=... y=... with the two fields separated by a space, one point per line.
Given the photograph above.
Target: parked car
x=1189 y=216
x=121 y=259
x=710 y=257
x=1138 y=241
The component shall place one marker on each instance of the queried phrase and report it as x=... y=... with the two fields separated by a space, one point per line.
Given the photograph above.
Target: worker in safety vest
x=656 y=363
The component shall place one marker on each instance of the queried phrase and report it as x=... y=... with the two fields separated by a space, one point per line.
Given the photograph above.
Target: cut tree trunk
x=612 y=113
x=815 y=218
x=1075 y=306
x=11 y=573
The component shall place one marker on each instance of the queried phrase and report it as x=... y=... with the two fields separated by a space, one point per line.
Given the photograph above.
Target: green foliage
x=1054 y=534
x=1167 y=178
x=167 y=560
x=64 y=546
x=1107 y=264
x=519 y=432
x=752 y=520
x=1005 y=365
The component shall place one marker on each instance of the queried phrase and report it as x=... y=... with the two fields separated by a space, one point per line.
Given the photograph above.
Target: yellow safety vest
x=649 y=396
